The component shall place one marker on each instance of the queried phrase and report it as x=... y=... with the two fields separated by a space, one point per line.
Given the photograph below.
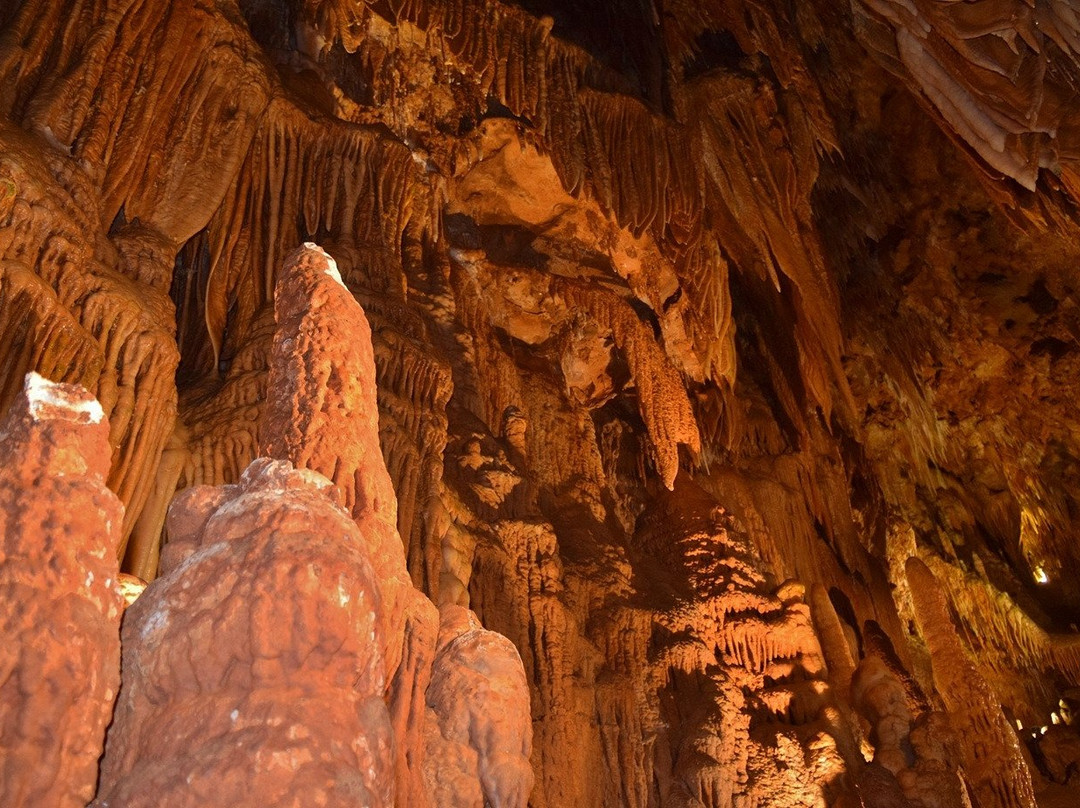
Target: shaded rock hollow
x=717 y=359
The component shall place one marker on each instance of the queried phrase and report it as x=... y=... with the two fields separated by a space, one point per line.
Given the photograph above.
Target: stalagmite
x=60 y=601
x=252 y=669
x=321 y=414
x=991 y=751
x=881 y=698
x=478 y=737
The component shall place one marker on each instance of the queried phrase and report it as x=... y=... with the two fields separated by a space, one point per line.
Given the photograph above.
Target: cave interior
x=506 y=403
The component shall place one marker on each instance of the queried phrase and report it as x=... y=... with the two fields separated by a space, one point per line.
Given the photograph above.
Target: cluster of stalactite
x=723 y=358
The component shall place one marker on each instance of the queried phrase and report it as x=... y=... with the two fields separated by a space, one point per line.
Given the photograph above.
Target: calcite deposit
x=685 y=390
x=477 y=738
x=252 y=670
x=990 y=748
x=61 y=603
x=321 y=414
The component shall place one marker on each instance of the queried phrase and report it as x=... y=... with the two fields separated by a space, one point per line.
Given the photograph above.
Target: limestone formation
x=252 y=669
x=477 y=738
x=990 y=747
x=714 y=361
x=60 y=594
x=321 y=414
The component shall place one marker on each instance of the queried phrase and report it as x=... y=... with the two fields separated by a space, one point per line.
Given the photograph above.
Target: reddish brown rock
x=405 y=698
x=252 y=667
x=1059 y=745
x=60 y=601
x=479 y=738
x=937 y=779
x=879 y=789
x=321 y=414
x=70 y=310
x=603 y=252
x=881 y=699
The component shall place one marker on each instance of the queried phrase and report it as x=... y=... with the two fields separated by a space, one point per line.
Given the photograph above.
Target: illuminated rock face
x=991 y=751
x=321 y=414
x=703 y=369
x=60 y=601
x=283 y=657
x=252 y=667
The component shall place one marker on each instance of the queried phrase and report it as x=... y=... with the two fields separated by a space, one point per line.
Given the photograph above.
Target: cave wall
x=723 y=360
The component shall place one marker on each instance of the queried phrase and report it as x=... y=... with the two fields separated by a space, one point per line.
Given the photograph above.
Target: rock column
x=60 y=601
x=252 y=670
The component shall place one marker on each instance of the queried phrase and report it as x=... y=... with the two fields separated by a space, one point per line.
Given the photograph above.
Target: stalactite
x=705 y=272
x=772 y=687
x=354 y=184
x=414 y=390
x=222 y=417
x=997 y=76
x=1009 y=643
x=130 y=128
x=662 y=398
x=119 y=329
x=600 y=141
x=717 y=226
x=74 y=358
x=768 y=188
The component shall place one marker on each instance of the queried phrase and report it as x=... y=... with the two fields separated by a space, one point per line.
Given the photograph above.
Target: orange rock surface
x=478 y=739
x=321 y=415
x=705 y=370
x=252 y=667
x=60 y=601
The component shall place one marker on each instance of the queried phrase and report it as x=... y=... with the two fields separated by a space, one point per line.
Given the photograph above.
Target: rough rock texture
x=696 y=324
x=991 y=750
x=60 y=601
x=284 y=657
x=996 y=72
x=321 y=414
x=252 y=671
x=477 y=737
